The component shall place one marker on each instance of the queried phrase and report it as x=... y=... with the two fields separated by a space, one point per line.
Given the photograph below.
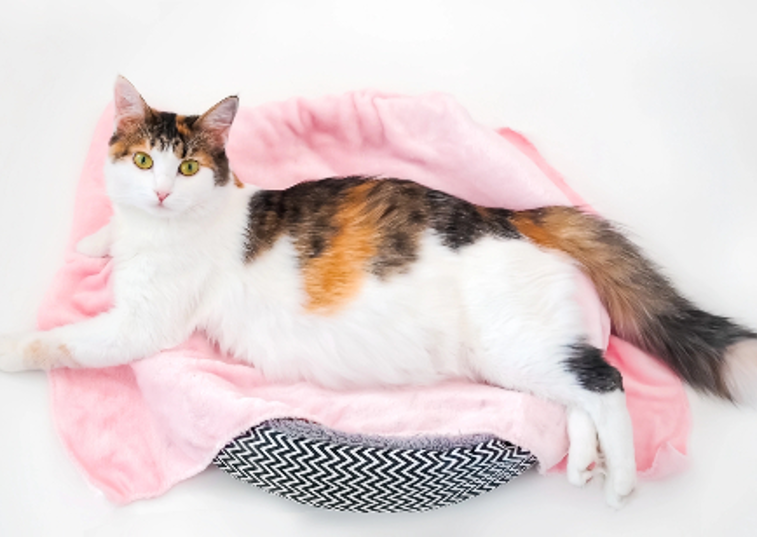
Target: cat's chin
x=161 y=211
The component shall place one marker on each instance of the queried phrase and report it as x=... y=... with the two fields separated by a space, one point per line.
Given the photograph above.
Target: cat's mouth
x=159 y=209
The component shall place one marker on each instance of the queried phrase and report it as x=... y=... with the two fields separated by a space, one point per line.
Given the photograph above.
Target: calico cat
x=360 y=281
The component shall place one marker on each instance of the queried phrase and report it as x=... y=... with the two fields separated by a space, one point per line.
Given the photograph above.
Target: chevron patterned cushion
x=310 y=464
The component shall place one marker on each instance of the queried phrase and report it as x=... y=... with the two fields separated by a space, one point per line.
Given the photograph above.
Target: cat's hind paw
x=619 y=486
x=579 y=477
x=583 y=454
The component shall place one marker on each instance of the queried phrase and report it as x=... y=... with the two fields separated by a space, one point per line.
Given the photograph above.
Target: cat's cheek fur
x=194 y=194
x=128 y=186
x=132 y=187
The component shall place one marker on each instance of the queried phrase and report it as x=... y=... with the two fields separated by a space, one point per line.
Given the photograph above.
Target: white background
x=648 y=107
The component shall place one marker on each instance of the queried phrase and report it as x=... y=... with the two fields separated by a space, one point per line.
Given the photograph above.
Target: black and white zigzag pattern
x=364 y=478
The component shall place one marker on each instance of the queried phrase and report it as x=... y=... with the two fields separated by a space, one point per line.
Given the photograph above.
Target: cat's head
x=163 y=163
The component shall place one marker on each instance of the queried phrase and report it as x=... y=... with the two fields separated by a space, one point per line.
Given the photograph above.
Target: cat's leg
x=529 y=334
x=98 y=243
x=582 y=453
x=112 y=338
x=580 y=378
x=597 y=389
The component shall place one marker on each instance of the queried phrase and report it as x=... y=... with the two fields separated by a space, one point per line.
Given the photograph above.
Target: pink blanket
x=137 y=430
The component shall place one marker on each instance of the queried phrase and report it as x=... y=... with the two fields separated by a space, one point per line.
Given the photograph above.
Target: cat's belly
x=409 y=329
x=498 y=309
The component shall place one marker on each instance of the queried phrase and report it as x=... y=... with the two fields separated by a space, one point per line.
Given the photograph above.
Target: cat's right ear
x=130 y=106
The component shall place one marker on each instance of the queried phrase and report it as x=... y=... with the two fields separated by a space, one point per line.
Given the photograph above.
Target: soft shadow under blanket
x=136 y=430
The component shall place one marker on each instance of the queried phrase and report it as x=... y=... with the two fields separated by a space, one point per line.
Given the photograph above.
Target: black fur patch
x=592 y=371
x=397 y=211
x=304 y=211
x=693 y=343
x=264 y=222
x=163 y=131
x=221 y=173
x=460 y=223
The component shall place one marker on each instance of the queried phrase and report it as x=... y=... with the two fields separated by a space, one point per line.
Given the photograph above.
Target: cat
x=359 y=281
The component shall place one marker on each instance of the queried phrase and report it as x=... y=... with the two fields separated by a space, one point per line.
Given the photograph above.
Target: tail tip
x=740 y=372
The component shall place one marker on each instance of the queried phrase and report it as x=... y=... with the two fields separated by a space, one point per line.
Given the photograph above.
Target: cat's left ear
x=217 y=121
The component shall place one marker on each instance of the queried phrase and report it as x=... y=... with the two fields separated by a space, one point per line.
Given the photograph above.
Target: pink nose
x=162 y=196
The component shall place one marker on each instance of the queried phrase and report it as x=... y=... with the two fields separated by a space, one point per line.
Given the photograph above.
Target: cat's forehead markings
x=166 y=133
x=122 y=145
x=184 y=125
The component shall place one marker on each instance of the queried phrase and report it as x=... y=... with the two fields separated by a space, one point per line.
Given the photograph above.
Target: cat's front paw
x=11 y=359
x=92 y=246
x=97 y=244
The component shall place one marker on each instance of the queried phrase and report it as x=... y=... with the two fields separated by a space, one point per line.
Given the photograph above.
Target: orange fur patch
x=182 y=126
x=127 y=146
x=335 y=276
x=237 y=182
x=202 y=157
x=623 y=278
x=543 y=227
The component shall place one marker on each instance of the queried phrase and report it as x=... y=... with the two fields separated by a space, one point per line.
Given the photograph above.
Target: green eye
x=143 y=160
x=189 y=167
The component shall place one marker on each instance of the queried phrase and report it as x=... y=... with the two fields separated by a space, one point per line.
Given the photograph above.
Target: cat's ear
x=217 y=121
x=130 y=106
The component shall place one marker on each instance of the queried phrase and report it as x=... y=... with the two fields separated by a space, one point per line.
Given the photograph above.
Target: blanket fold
x=138 y=429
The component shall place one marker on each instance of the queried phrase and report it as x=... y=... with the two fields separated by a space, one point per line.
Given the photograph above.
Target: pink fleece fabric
x=136 y=430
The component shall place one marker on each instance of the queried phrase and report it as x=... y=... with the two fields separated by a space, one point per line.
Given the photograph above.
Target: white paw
x=583 y=453
x=10 y=357
x=583 y=461
x=618 y=486
x=92 y=246
x=97 y=244
x=578 y=477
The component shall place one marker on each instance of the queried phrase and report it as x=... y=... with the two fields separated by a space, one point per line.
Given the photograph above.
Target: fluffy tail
x=709 y=352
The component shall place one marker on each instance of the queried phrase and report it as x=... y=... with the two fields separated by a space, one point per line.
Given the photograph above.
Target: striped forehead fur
x=167 y=131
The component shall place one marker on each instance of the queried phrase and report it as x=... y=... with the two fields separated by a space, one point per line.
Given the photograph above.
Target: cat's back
x=343 y=229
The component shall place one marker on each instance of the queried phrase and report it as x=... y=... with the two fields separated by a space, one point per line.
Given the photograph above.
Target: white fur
x=740 y=371
x=500 y=311
x=191 y=197
x=97 y=244
x=583 y=446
